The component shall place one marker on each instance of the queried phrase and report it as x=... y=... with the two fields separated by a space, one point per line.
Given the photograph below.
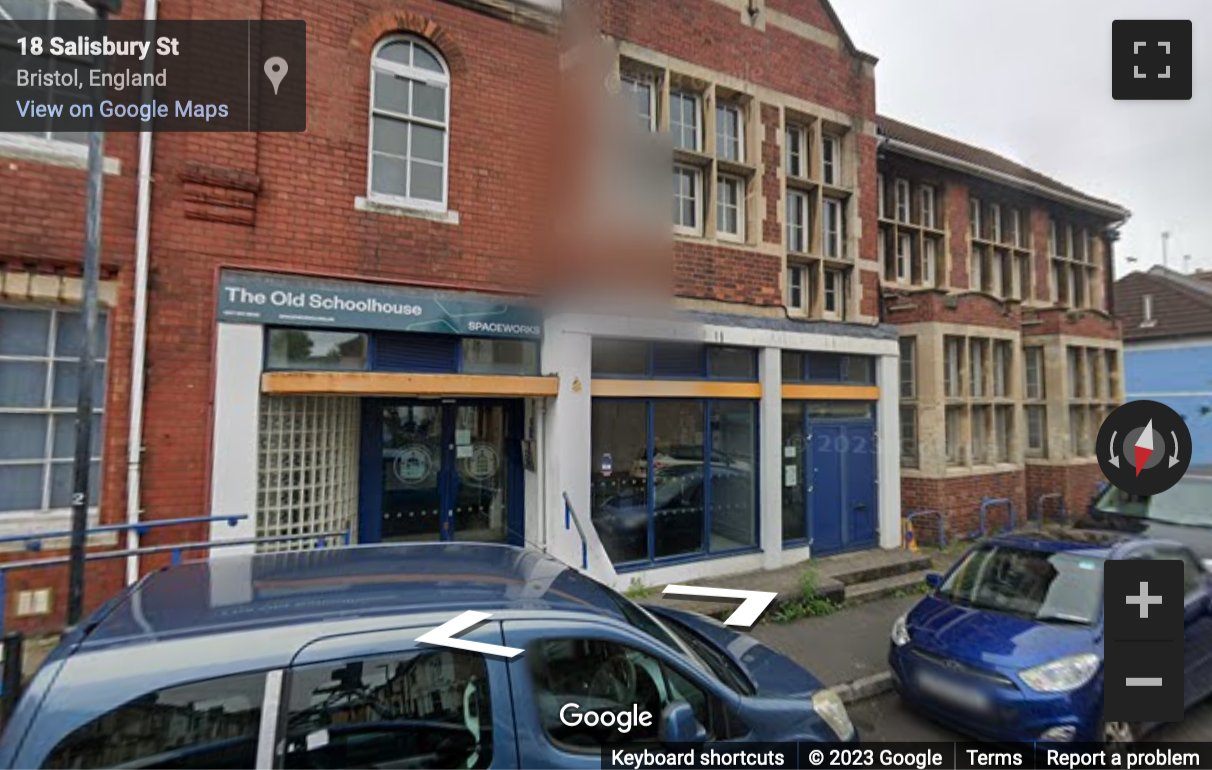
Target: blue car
x=1009 y=645
x=309 y=660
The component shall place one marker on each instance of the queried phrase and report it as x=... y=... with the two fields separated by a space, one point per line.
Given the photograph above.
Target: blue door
x=842 y=465
x=828 y=491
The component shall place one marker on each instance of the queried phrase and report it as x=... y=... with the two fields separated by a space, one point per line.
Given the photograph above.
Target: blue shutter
x=426 y=353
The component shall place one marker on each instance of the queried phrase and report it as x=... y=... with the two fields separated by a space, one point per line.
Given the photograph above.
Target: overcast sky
x=1031 y=79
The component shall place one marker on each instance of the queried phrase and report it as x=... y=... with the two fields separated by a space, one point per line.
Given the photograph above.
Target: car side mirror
x=934 y=580
x=680 y=725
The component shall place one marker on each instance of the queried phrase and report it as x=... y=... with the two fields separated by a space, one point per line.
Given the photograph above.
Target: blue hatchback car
x=1009 y=645
x=309 y=660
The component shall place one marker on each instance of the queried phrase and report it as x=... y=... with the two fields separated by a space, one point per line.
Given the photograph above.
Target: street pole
x=1165 y=251
x=88 y=352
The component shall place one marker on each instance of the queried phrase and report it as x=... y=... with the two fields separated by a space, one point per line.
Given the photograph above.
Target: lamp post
x=88 y=345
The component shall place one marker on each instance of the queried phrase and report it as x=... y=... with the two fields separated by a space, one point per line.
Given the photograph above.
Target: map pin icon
x=275 y=70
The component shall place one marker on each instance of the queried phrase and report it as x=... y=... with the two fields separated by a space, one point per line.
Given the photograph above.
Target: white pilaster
x=233 y=481
x=888 y=460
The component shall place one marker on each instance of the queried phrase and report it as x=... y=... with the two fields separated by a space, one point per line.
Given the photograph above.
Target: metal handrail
x=33 y=541
x=570 y=518
x=942 y=523
x=990 y=501
x=1064 y=514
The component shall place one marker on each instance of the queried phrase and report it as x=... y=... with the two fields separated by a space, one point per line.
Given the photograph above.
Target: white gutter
x=134 y=452
x=1118 y=212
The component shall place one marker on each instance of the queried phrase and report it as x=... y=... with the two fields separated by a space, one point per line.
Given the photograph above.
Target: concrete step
x=871 y=590
x=866 y=566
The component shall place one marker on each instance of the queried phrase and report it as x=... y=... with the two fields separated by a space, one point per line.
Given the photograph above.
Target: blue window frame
x=304 y=349
x=828 y=367
x=636 y=359
x=686 y=490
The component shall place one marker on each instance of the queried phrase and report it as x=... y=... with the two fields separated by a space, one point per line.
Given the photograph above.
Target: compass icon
x=1144 y=447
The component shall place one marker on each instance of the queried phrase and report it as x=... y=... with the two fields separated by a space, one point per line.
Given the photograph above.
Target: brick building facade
x=748 y=427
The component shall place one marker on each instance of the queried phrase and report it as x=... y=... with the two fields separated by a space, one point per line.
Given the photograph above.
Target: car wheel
x=1119 y=735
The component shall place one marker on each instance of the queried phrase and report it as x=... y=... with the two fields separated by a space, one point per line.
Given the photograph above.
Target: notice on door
x=790 y=476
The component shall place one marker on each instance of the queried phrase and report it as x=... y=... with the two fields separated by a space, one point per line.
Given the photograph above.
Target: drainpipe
x=134 y=457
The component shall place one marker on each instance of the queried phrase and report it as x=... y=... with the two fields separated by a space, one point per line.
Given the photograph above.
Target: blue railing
x=571 y=518
x=940 y=521
x=1042 y=507
x=988 y=503
x=34 y=544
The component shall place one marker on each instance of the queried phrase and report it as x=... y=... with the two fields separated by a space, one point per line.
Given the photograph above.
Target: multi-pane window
x=904 y=257
x=835 y=295
x=1075 y=270
x=881 y=195
x=1092 y=390
x=730 y=207
x=953 y=366
x=39 y=380
x=797 y=151
x=687 y=199
x=978 y=420
x=929 y=259
x=902 y=200
x=1033 y=367
x=1022 y=277
x=729 y=133
x=1016 y=228
x=954 y=444
x=831 y=159
x=408 y=124
x=797 y=222
x=65 y=68
x=975 y=225
x=834 y=229
x=979 y=349
x=908 y=419
x=1003 y=430
x=928 y=206
x=796 y=288
x=995 y=222
x=686 y=120
x=908 y=351
x=1002 y=360
x=976 y=269
x=641 y=92
x=1036 y=429
x=981 y=426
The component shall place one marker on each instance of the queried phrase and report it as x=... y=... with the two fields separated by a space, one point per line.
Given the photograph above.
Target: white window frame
x=1002 y=355
x=904 y=258
x=696 y=175
x=1036 y=442
x=46 y=138
x=51 y=359
x=834 y=238
x=1016 y=226
x=798 y=201
x=929 y=261
x=908 y=367
x=723 y=181
x=928 y=200
x=1147 y=320
x=831 y=160
x=798 y=156
x=429 y=78
x=976 y=270
x=1053 y=241
x=995 y=221
x=835 y=296
x=953 y=351
x=997 y=267
x=676 y=127
x=632 y=84
x=797 y=282
x=903 y=212
x=881 y=196
x=975 y=224
x=739 y=139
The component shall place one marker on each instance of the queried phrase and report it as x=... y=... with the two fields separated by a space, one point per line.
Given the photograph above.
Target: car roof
x=232 y=593
x=1059 y=539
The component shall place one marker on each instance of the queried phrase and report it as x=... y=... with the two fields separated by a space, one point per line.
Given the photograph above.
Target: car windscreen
x=1185 y=503
x=1055 y=587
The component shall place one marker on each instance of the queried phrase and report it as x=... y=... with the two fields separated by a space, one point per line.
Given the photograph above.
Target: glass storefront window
x=795 y=523
x=793 y=366
x=619 y=358
x=619 y=478
x=678 y=473
x=312 y=349
x=732 y=363
x=841 y=410
x=733 y=483
x=500 y=356
x=676 y=491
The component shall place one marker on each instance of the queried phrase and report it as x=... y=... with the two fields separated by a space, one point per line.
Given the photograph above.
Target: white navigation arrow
x=443 y=636
x=745 y=615
x=1114 y=456
x=1174 y=457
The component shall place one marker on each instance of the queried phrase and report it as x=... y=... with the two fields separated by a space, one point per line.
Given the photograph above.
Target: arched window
x=409 y=120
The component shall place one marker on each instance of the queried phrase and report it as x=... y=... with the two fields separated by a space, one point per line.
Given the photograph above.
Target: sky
x=1031 y=79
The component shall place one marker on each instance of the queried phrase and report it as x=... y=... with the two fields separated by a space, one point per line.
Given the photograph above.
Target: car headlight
x=830 y=708
x=1062 y=675
x=900 y=631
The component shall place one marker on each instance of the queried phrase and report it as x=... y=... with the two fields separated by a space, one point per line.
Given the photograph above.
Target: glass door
x=413 y=472
x=444 y=473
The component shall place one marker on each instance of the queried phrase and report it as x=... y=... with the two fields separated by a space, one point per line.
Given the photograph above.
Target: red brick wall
x=959 y=499
x=1076 y=482
x=937 y=306
x=1083 y=323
